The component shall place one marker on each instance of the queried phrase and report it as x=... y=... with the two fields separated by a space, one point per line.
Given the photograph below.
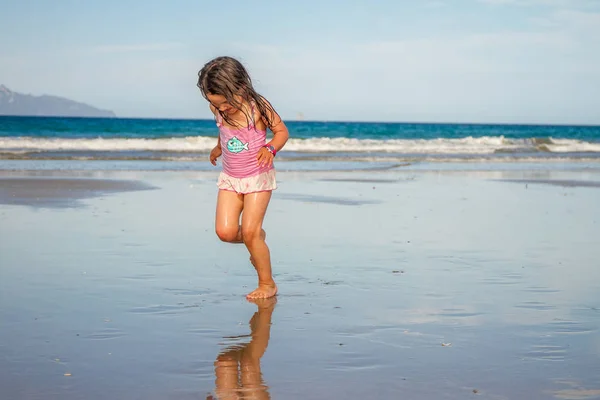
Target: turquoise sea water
x=51 y=138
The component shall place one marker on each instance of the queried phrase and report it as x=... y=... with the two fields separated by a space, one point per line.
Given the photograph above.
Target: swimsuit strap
x=219 y=119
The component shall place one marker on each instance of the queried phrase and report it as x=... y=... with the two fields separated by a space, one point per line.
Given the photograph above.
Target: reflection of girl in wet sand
x=237 y=368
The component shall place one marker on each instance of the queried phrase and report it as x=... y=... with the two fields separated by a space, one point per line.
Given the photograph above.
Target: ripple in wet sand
x=153 y=263
x=326 y=199
x=437 y=295
x=501 y=280
x=204 y=368
x=203 y=331
x=457 y=313
x=162 y=309
x=285 y=277
x=570 y=327
x=546 y=353
x=140 y=277
x=106 y=334
x=578 y=394
x=576 y=391
x=188 y=292
x=353 y=361
x=540 y=289
x=134 y=245
x=535 y=305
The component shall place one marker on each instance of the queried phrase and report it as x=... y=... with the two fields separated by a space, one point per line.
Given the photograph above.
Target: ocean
x=190 y=141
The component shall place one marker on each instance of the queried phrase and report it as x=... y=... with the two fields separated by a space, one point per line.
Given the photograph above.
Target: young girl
x=248 y=175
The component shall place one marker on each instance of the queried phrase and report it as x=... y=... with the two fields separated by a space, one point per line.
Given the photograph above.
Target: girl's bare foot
x=264 y=304
x=263 y=292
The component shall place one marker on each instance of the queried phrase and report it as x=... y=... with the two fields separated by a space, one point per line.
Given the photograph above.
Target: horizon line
x=333 y=121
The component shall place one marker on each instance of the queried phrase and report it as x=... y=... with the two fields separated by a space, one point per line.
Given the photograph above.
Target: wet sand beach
x=399 y=284
x=60 y=192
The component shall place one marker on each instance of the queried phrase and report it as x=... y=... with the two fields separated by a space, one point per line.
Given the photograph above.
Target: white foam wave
x=572 y=146
x=188 y=144
x=467 y=145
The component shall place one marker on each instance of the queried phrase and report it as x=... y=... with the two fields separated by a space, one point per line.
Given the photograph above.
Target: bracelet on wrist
x=271 y=149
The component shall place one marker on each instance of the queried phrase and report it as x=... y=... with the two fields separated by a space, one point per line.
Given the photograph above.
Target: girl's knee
x=227 y=359
x=251 y=234
x=227 y=234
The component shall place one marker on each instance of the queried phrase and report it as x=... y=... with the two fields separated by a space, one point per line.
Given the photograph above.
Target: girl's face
x=220 y=103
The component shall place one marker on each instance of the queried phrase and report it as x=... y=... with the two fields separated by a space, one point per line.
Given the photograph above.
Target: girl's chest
x=241 y=140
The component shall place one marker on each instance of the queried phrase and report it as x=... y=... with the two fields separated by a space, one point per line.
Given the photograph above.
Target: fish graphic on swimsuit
x=235 y=145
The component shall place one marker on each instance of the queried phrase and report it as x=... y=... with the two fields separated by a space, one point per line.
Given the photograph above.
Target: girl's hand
x=265 y=157
x=214 y=154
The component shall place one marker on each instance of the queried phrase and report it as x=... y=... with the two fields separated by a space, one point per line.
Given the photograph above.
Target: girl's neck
x=244 y=117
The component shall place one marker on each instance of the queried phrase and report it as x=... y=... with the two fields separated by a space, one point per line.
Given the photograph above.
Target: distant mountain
x=13 y=103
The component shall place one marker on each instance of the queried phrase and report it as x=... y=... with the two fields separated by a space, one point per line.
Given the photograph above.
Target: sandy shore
x=400 y=284
x=60 y=192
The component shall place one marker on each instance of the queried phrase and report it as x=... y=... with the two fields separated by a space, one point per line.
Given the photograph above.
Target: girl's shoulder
x=269 y=118
x=258 y=118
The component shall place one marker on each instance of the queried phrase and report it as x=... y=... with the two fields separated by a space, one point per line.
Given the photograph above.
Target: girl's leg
x=260 y=325
x=227 y=374
x=227 y=221
x=255 y=207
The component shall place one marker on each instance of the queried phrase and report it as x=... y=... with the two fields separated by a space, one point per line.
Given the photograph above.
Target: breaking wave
x=201 y=144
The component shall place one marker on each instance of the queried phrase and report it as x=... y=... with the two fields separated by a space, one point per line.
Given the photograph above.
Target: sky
x=506 y=61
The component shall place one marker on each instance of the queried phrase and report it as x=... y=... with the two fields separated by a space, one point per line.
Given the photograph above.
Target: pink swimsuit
x=241 y=172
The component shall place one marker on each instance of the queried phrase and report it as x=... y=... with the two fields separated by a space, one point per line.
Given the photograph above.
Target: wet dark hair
x=227 y=77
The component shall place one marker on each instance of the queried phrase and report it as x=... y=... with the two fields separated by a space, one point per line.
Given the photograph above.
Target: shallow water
x=408 y=285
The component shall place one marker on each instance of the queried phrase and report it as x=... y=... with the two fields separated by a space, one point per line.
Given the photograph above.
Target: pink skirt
x=259 y=183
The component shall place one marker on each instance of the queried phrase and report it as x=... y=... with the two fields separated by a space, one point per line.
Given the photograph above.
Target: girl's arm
x=280 y=131
x=280 y=135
